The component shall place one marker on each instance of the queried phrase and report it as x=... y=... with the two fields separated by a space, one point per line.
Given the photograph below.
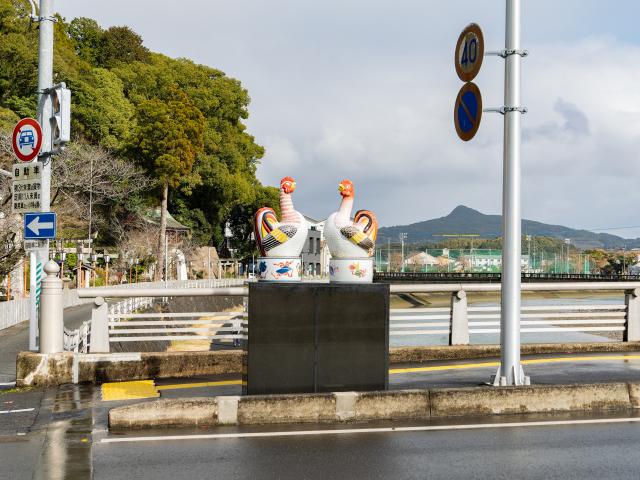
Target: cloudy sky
x=364 y=89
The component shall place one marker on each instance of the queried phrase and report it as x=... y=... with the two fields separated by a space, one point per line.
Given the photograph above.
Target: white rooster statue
x=351 y=242
x=281 y=241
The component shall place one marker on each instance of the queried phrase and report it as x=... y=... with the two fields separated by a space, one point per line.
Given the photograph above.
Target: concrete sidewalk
x=12 y=341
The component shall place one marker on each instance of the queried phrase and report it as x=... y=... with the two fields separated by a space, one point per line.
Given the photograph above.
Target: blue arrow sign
x=39 y=225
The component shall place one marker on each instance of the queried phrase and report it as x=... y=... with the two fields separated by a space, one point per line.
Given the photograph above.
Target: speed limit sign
x=469 y=53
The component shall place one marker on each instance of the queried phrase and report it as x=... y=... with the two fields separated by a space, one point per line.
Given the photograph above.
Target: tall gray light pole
x=510 y=371
x=403 y=237
x=45 y=81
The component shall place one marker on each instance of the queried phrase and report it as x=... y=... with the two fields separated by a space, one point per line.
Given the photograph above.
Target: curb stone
x=343 y=407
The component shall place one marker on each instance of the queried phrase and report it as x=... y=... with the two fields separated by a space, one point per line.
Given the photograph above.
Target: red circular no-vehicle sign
x=27 y=139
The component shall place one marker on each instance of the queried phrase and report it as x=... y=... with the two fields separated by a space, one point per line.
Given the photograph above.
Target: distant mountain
x=465 y=220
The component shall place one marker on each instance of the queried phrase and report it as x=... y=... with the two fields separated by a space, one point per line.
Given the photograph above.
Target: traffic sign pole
x=45 y=81
x=510 y=371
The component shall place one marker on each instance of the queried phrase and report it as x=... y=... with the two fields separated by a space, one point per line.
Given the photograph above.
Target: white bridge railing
x=558 y=319
x=141 y=327
x=17 y=310
x=457 y=324
x=80 y=339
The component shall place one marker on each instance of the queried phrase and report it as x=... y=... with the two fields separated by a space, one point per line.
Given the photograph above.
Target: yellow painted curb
x=129 y=390
x=180 y=386
x=438 y=368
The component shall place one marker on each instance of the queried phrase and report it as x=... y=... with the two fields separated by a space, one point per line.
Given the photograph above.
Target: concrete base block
x=345 y=405
x=392 y=405
x=634 y=394
x=532 y=399
x=34 y=369
x=228 y=410
x=173 y=413
x=368 y=406
x=302 y=408
x=44 y=370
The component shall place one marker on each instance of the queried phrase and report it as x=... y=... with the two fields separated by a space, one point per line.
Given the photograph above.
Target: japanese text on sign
x=27 y=187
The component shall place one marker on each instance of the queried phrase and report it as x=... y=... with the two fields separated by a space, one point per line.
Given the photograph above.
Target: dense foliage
x=179 y=122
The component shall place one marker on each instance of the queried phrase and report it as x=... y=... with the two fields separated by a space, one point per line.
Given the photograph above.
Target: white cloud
x=366 y=89
x=280 y=156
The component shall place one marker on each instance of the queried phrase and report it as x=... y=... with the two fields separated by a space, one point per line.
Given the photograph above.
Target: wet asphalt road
x=558 y=452
x=63 y=438
x=51 y=442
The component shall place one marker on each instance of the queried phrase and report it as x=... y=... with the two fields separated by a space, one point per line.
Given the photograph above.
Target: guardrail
x=79 y=340
x=470 y=277
x=141 y=327
x=456 y=323
x=17 y=310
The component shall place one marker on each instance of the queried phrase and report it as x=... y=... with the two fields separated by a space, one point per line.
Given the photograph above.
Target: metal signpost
x=510 y=371
x=468 y=60
x=42 y=139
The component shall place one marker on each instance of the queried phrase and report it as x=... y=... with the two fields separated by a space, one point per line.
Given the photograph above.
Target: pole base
x=279 y=269
x=517 y=378
x=351 y=270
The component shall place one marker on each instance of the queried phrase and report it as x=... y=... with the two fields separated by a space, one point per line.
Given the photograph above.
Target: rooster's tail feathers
x=265 y=222
x=367 y=222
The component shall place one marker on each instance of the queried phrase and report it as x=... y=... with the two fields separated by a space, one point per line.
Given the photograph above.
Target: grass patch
x=16 y=390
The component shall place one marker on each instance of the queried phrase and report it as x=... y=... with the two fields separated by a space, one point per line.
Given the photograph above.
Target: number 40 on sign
x=469 y=53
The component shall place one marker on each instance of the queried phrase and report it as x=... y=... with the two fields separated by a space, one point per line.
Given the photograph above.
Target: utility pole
x=90 y=195
x=528 y=253
x=403 y=237
x=510 y=371
x=388 y=255
x=37 y=258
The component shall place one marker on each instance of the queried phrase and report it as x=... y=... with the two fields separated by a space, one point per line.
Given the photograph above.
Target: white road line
x=368 y=430
x=18 y=411
x=8 y=384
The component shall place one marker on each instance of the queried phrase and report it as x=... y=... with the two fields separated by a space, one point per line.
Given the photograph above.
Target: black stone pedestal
x=317 y=337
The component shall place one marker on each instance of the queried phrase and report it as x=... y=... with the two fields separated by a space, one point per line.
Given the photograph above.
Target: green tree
x=166 y=141
x=124 y=99
x=102 y=113
x=227 y=167
x=18 y=59
x=8 y=119
x=121 y=45
x=240 y=219
x=87 y=36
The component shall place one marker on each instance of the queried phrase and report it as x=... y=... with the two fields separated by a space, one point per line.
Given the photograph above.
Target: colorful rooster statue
x=351 y=242
x=281 y=243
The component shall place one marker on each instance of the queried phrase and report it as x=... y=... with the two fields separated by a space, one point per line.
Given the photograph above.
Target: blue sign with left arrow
x=39 y=226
